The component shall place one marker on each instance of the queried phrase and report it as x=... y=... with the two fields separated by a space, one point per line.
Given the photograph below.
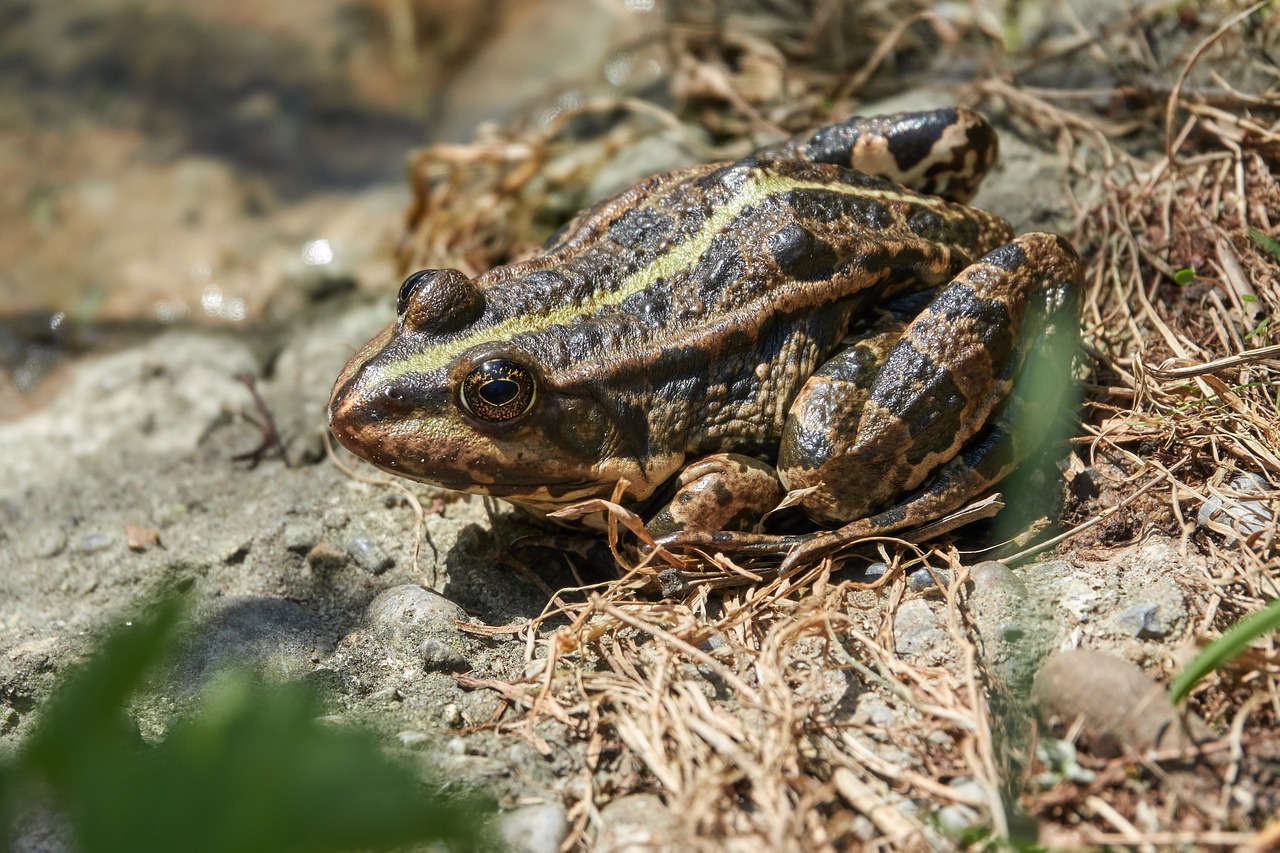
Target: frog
x=826 y=323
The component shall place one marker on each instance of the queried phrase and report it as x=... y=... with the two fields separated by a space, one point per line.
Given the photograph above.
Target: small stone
x=440 y=657
x=92 y=542
x=451 y=716
x=534 y=829
x=874 y=571
x=413 y=739
x=992 y=576
x=1122 y=707
x=336 y=518
x=954 y=819
x=916 y=629
x=635 y=822
x=8 y=719
x=411 y=613
x=924 y=578
x=969 y=787
x=50 y=543
x=139 y=538
x=873 y=712
x=369 y=555
x=1140 y=621
x=1157 y=610
x=1246 y=516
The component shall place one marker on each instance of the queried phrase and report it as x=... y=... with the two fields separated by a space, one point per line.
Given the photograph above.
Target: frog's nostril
x=398 y=398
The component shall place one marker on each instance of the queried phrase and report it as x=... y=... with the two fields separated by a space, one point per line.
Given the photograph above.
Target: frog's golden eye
x=498 y=390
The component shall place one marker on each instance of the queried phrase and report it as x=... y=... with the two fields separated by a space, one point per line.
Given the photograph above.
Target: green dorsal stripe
x=759 y=186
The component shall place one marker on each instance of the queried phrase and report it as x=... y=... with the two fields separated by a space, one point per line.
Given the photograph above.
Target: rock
x=954 y=819
x=438 y=656
x=924 y=578
x=92 y=542
x=1123 y=708
x=1009 y=642
x=411 y=614
x=369 y=555
x=1245 y=516
x=534 y=829
x=635 y=822
x=49 y=543
x=917 y=631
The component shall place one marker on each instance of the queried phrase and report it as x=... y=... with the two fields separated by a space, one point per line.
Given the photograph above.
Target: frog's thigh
x=937 y=387
x=723 y=491
x=826 y=413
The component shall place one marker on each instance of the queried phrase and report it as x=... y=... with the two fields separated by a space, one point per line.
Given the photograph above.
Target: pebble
x=1123 y=708
x=1247 y=516
x=50 y=543
x=954 y=819
x=410 y=613
x=873 y=712
x=874 y=571
x=1158 y=610
x=1010 y=641
x=451 y=715
x=336 y=518
x=369 y=555
x=413 y=739
x=916 y=629
x=924 y=578
x=539 y=828
x=635 y=822
x=92 y=542
x=438 y=656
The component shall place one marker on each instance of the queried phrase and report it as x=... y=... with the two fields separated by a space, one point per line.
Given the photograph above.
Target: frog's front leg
x=863 y=433
x=723 y=491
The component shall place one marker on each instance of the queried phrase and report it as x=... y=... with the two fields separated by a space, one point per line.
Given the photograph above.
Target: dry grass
x=750 y=700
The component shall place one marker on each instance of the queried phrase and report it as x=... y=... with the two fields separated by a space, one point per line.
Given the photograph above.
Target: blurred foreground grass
x=251 y=769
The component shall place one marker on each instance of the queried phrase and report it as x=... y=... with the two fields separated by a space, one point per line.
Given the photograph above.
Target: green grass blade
x=1225 y=648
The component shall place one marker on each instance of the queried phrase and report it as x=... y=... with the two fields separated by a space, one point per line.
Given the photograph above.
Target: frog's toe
x=724 y=491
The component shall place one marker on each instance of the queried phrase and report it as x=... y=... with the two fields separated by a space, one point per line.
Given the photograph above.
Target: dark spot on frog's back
x=641 y=228
x=802 y=254
x=720 y=268
x=652 y=305
x=1008 y=257
x=828 y=206
x=913 y=144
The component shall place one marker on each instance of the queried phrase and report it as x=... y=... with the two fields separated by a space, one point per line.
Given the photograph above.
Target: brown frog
x=825 y=317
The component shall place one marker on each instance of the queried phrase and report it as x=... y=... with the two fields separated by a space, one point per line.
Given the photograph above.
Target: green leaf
x=1226 y=648
x=1184 y=276
x=1265 y=241
x=250 y=770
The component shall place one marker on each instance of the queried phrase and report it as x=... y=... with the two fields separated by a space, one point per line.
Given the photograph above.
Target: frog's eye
x=438 y=301
x=411 y=284
x=498 y=390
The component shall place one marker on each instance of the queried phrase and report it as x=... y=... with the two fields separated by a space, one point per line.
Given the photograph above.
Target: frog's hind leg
x=945 y=152
x=1047 y=270
x=1018 y=428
